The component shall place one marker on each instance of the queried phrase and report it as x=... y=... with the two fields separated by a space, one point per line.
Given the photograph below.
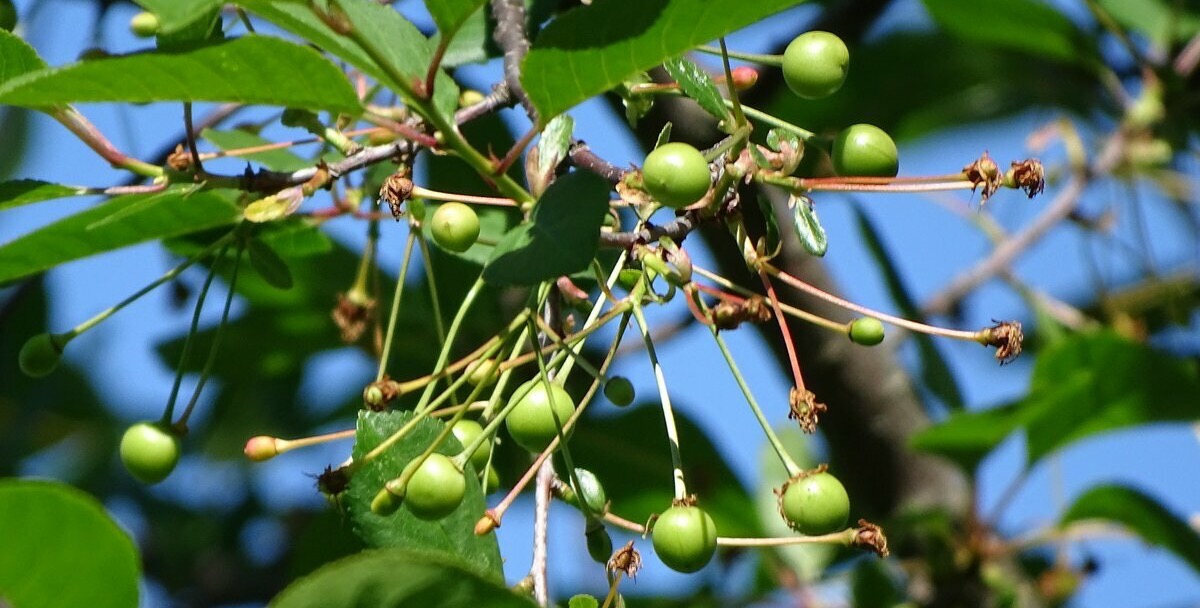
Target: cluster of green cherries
x=675 y=174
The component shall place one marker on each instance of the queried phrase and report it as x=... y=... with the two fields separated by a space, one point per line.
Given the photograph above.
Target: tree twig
x=510 y=35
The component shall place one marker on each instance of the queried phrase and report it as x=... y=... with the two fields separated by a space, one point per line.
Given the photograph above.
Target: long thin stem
x=733 y=96
x=444 y=355
x=169 y=413
x=395 y=313
x=771 y=60
x=803 y=315
x=205 y=374
x=785 y=332
x=664 y=396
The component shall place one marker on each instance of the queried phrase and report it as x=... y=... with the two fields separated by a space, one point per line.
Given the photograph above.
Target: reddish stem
x=783 y=329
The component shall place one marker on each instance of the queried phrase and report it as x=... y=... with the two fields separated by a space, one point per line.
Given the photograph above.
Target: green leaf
x=872 y=586
x=174 y=15
x=583 y=601
x=25 y=191
x=807 y=227
x=1024 y=25
x=1095 y=383
x=695 y=83
x=553 y=144
x=772 y=241
x=967 y=437
x=401 y=42
x=935 y=372
x=1141 y=515
x=119 y=222
x=471 y=44
x=561 y=237
x=397 y=579
x=251 y=69
x=452 y=535
x=1082 y=386
x=19 y=57
x=449 y=15
x=237 y=139
x=53 y=532
x=629 y=453
x=269 y=265
x=592 y=49
x=1160 y=21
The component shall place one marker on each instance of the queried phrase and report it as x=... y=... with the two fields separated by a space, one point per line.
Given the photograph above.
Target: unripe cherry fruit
x=619 y=390
x=150 y=451
x=481 y=371
x=535 y=419
x=865 y=151
x=599 y=542
x=435 y=489
x=39 y=356
x=676 y=175
x=685 y=538
x=465 y=431
x=144 y=24
x=816 y=504
x=815 y=64
x=454 y=227
x=867 y=331
x=590 y=492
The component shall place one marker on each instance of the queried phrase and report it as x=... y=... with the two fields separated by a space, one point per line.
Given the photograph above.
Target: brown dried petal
x=803 y=406
x=1006 y=336
x=180 y=159
x=396 y=189
x=1029 y=175
x=870 y=536
x=986 y=173
x=351 y=316
x=627 y=560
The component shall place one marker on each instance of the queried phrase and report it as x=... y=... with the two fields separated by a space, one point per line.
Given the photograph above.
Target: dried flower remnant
x=986 y=173
x=870 y=536
x=396 y=189
x=804 y=407
x=1006 y=336
x=626 y=560
x=1028 y=175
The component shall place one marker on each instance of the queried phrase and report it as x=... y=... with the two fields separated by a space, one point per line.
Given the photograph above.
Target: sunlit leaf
x=1140 y=514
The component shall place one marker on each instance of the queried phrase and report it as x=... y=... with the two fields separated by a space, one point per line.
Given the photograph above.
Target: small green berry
x=150 y=451
x=144 y=24
x=815 y=64
x=534 y=421
x=865 y=151
x=685 y=538
x=435 y=489
x=465 y=431
x=481 y=372
x=599 y=542
x=676 y=175
x=867 y=331
x=454 y=227
x=590 y=490
x=39 y=356
x=816 y=504
x=619 y=390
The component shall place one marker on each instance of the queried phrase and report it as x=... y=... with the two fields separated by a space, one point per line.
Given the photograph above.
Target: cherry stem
x=395 y=313
x=770 y=60
x=738 y=116
x=286 y=445
x=420 y=192
x=664 y=396
x=803 y=315
x=169 y=413
x=784 y=331
x=439 y=323
x=969 y=336
x=205 y=374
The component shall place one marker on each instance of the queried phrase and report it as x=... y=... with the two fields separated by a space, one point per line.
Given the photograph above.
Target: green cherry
x=144 y=24
x=815 y=64
x=815 y=505
x=534 y=420
x=685 y=538
x=454 y=227
x=435 y=489
x=619 y=390
x=149 y=451
x=865 y=151
x=676 y=174
x=465 y=431
x=867 y=331
x=39 y=356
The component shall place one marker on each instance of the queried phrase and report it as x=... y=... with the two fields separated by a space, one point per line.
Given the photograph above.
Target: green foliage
x=252 y=69
x=449 y=15
x=237 y=139
x=696 y=84
x=51 y=526
x=120 y=222
x=452 y=535
x=19 y=57
x=561 y=237
x=175 y=15
x=1024 y=25
x=1139 y=513
x=573 y=59
x=807 y=227
x=20 y=192
x=395 y=579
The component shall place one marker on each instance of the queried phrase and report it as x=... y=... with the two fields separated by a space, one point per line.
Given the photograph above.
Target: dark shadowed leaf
x=1161 y=21
x=120 y=222
x=1141 y=515
x=695 y=83
x=591 y=49
x=561 y=236
x=398 y=579
x=251 y=69
x=452 y=535
x=25 y=191
x=269 y=265
x=1024 y=25
x=967 y=437
x=53 y=531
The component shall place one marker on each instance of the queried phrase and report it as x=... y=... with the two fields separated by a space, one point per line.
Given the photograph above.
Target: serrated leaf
x=592 y=49
x=25 y=191
x=238 y=139
x=807 y=227
x=777 y=138
x=452 y=535
x=174 y=15
x=1140 y=514
x=398 y=579
x=119 y=222
x=449 y=15
x=561 y=237
x=935 y=372
x=19 y=57
x=1023 y=25
x=583 y=601
x=401 y=43
x=251 y=69
x=272 y=268
x=664 y=136
x=553 y=145
x=48 y=526
x=695 y=83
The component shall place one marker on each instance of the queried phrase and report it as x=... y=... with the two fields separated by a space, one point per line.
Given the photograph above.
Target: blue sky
x=931 y=246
